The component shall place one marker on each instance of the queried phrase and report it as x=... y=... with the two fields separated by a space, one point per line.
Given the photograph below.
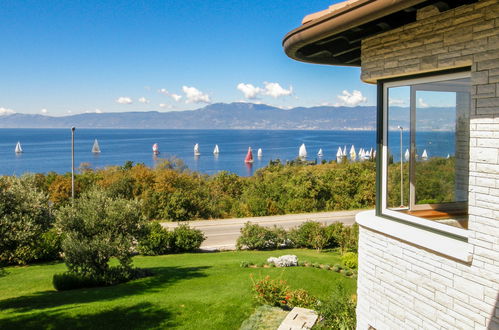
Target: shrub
x=96 y=228
x=338 y=312
x=311 y=235
x=114 y=275
x=301 y=298
x=24 y=218
x=156 y=240
x=244 y=264
x=48 y=247
x=256 y=237
x=186 y=239
x=270 y=292
x=350 y=260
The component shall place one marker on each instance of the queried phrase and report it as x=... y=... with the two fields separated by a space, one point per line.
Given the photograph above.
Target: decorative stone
x=288 y=260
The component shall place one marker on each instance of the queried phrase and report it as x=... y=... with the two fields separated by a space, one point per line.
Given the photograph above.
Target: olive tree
x=98 y=227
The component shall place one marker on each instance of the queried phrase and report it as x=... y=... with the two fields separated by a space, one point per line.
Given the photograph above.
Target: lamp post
x=73 y=162
x=401 y=169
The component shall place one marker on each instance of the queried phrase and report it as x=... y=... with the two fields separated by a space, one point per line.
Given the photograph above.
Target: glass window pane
x=428 y=150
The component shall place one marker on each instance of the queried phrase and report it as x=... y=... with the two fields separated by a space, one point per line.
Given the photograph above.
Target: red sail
x=249 y=156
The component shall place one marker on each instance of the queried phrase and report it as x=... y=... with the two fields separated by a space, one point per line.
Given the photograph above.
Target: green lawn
x=188 y=291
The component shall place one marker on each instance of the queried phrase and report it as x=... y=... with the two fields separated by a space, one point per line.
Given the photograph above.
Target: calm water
x=50 y=149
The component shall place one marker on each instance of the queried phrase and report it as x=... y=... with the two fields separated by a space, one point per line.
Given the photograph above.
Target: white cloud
x=6 y=112
x=270 y=89
x=163 y=91
x=90 y=111
x=396 y=102
x=44 y=111
x=143 y=100
x=165 y=106
x=124 y=100
x=275 y=90
x=351 y=99
x=249 y=91
x=194 y=95
x=176 y=97
x=422 y=103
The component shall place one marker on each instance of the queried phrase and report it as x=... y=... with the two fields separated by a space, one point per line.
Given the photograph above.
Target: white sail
x=407 y=155
x=353 y=154
x=424 y=155
x=155 y=149
x=196 y=150
x=344 y=153
x=371 y=153
x=339 y=155
x=448 y=156
x=216 y=151
x=320 y=153
x=19 y=149
x=302 y=153
x=260 y=153
x=95 y=147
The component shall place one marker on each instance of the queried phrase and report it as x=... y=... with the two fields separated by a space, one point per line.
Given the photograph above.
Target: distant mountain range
x=218 y=116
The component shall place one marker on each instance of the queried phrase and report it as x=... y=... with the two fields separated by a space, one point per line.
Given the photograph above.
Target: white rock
x=288 y=260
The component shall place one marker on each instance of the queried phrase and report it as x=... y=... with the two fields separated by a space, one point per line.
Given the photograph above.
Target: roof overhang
x=334 y=36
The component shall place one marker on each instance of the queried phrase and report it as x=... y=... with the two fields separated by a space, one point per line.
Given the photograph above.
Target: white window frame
x=420 y=222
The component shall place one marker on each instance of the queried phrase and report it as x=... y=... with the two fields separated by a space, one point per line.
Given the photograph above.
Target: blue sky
x=68 y=57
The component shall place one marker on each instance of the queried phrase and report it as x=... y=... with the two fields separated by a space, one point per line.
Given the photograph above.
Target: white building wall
x=404 y=286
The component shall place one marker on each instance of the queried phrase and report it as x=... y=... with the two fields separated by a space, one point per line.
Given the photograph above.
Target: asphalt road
x=222 y=234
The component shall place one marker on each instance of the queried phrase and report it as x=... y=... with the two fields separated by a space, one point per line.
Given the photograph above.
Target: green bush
x=256 y=237
x=301 y=298
x=97 y=228
x=25 y=217
x=244 y=264
x=270 y=292
x=345 y=237
x=186 y=239
x=310 y=235
x=48 y=246
x=338 y=312
x=156 y=240
x=350 y=260
x=114 y=275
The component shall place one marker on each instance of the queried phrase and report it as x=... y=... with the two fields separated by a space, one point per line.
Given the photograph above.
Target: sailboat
x=320 y=153
x=260 y=153
x=249 y=156
x=19 y=149
x=216 y=151
x=424 y=155
x=196 y=150
x=407 y=155
x=353 y=154
x=371 y=153
x=339 y=155
x=302 y=153
x=95 y=147
x=155 y=149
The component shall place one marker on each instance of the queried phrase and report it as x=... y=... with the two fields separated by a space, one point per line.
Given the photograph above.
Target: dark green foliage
x=113 y=276
x=48 y=246
x=186 y=239
x=25 y=217
x=256 y=237
x=339 y=311
x=156 y=240
x=310 y=235
x=96 y=228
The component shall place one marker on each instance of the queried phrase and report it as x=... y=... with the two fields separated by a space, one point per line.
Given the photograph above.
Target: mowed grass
x=187 y=291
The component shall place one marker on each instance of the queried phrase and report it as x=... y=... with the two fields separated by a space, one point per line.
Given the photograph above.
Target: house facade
x=429 y=253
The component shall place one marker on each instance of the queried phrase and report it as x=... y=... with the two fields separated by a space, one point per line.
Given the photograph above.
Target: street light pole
x=401 y=169
x=73 y=162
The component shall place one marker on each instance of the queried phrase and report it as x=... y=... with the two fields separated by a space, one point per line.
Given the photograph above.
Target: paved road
x=222 y=234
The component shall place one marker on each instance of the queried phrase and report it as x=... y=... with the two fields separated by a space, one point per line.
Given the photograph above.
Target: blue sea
x=48 y=150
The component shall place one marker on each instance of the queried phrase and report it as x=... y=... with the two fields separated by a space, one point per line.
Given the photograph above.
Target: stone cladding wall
x=404 y=286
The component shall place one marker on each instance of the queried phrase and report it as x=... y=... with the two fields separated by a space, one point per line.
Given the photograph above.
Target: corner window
x=425 y=151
